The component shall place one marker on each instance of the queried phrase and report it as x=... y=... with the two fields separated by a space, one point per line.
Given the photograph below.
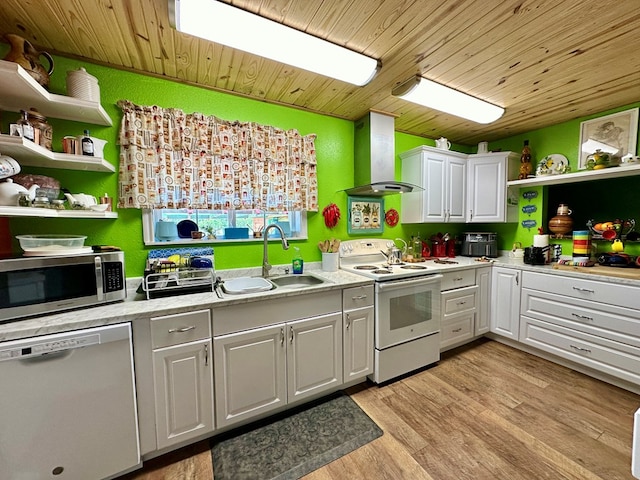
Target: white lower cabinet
x=458 y=301
x=591 y=323
x=357 y=322
x=183 y=376
x=184 y=391
x=261 y=369
x=505 y=302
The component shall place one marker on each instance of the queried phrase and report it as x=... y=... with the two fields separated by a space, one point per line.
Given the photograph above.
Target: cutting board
x=620 y=272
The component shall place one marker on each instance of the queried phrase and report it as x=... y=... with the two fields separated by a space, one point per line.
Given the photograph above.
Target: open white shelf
x=50 y=212
x=33 y=155
x=581 y=176
x=20 y=91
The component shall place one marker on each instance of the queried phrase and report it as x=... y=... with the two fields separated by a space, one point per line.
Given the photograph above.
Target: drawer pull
x=582 y=317
x=461 y=303
x=206 y=355
x=458 y=279
x=456 y=330
x=182 y=329
x=291 y=335
x=580 y=349
x=359 y=297
x=580 y=289
x=348 y=322
x=282 y=336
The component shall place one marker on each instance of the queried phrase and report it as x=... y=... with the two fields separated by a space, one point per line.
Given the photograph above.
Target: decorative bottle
x=525 y=161
x=27 y=129
x=87 y=144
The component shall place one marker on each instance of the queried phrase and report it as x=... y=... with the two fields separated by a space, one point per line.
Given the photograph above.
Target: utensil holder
x=330 y=261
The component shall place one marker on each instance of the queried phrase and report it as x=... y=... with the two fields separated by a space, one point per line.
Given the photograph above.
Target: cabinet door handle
x=470 y=214
x=182 y=329
x=580 y=349
x=359 y=297
x=587 y=290
x=348 y=322
x=582 y=317
x=282 y=337
x=206 y=355
x=518 y=279
x=291 y=335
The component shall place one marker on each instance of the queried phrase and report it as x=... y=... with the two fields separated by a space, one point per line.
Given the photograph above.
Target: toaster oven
x=479 y=244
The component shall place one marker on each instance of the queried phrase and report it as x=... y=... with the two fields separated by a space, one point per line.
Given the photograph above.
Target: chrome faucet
x=265 y=255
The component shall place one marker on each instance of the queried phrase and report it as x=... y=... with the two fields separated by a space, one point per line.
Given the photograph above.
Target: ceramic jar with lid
x=43 y=131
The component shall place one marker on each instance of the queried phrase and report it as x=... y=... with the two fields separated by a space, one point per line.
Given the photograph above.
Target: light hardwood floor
x=485 y=411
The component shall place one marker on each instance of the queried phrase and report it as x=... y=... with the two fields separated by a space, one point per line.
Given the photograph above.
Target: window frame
x=148 y=228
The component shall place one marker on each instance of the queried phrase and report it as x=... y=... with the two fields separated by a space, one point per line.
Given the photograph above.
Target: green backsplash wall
x=335 y=168
x=601 y=200
x=334 y=149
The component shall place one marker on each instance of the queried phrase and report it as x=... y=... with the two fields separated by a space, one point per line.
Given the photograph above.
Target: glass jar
x=41 y=202
x=24 y=200
x=57 y=204
x=45 y=131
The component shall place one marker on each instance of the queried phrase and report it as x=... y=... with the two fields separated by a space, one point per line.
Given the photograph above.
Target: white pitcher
x=443 y=143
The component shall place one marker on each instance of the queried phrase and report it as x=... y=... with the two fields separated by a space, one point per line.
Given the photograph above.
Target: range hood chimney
x=374 y=158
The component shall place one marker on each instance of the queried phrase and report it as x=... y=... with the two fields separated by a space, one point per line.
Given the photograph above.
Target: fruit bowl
x=620 y=227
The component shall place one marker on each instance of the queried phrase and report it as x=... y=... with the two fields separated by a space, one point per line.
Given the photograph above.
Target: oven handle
x=422 y=281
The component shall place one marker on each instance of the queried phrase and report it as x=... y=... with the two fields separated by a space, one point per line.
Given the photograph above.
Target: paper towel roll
x=541 y=240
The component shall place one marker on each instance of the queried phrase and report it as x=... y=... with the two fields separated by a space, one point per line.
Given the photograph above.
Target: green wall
x=335 y=168
x=601 y=200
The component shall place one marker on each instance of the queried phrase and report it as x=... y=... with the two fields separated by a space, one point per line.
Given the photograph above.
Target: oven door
x=406 y=310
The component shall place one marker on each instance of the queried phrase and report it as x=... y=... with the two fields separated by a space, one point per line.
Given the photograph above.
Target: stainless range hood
x=374 y=157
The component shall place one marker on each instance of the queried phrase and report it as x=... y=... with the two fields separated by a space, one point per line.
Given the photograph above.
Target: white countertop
x=136 y=306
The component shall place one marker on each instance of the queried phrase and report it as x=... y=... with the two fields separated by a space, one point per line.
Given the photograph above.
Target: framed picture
x=366 y=215
x=615 y=134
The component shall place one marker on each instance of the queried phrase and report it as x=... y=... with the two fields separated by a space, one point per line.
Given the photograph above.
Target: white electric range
x=406 y=306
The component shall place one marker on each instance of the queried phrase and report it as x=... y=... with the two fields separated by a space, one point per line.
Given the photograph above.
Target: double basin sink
x=244 y=285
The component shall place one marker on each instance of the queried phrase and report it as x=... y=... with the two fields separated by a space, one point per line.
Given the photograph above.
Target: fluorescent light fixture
x=228 y=25
x=434 y=95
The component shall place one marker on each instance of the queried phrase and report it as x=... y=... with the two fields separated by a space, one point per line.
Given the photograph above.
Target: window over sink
x=171 y=226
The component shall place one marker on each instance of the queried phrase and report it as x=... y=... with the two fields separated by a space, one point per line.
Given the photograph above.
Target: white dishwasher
x=68 y=405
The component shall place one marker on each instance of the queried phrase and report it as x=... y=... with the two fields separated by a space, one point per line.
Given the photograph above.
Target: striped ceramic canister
x=581 y=243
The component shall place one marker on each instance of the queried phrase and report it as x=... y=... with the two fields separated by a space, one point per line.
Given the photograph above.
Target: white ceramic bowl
x=28 y=242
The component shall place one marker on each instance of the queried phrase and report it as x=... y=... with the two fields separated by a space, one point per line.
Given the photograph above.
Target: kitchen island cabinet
x=276 y=363
x=443 y=175
x=505 y=302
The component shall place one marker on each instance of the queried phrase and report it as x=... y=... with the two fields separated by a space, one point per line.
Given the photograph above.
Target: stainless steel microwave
x=37 y=285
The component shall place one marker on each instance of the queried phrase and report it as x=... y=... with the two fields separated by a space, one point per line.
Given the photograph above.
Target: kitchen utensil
x=443 y=143
x=166 y=230
x=8 y=166
x=185 y=227
x=82 y=85
x=10 y=192
x=81 y=200
x=394 y=254
x=199 y=262
x=25 y=55
x=29 y=242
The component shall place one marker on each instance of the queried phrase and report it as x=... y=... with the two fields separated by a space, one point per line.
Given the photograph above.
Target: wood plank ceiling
x=545 y=61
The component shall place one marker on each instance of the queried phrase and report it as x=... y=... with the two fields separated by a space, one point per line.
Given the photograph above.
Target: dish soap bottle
x=297 y=263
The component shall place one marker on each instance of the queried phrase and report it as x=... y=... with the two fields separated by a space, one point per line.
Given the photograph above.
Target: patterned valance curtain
x=169 y=159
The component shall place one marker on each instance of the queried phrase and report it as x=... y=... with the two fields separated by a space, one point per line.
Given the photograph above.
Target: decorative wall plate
x=391 y=217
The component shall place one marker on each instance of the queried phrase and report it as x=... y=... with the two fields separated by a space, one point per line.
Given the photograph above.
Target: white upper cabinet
x=488 y=198
x=443 y=175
